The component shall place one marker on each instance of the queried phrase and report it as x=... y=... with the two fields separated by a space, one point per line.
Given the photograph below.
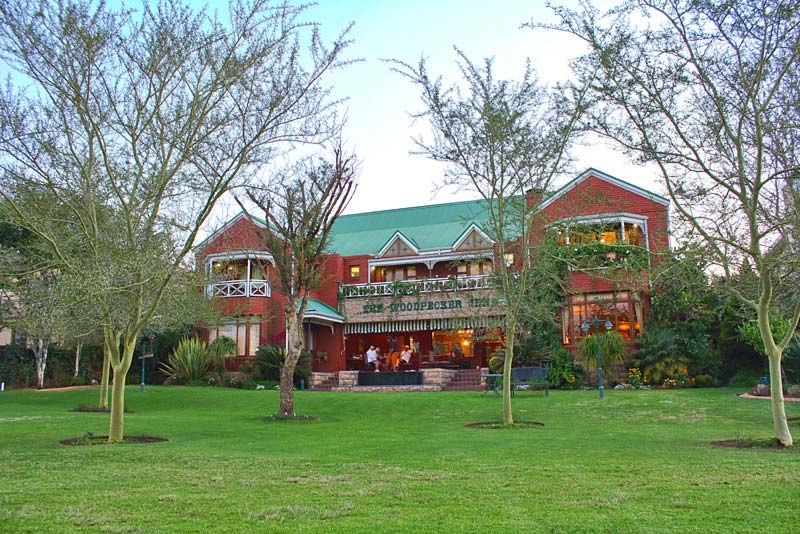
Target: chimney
x=534 y=196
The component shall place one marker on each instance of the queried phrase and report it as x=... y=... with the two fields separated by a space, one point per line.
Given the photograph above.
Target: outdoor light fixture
x=585 y=328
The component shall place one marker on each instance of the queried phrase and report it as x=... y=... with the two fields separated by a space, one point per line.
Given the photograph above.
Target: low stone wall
x=386 y=389
x=432 y=380
x=437 y=377
x=317 y=379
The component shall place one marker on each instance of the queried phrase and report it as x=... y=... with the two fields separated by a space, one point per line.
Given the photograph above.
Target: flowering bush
x=670 y=383
x=635 y=379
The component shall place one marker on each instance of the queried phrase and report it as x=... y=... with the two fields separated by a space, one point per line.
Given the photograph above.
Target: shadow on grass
x=500 y=424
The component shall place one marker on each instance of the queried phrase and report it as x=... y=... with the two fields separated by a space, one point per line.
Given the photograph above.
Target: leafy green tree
x=501 y=139
x=706 y=91
x=300 y=208
x=135 y=124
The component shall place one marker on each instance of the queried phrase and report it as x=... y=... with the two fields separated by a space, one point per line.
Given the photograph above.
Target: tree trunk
x=103 y=401
x=779 y=423
x=77 y=359
x=40 y=355
x=115 y=429
x=774 y=353
x=295 y=347
x=508 y=416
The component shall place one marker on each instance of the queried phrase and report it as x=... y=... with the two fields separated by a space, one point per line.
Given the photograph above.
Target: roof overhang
x=398 y=235
x=588 y=173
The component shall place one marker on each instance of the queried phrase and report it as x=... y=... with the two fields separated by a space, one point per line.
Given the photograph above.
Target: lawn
x=638 y=461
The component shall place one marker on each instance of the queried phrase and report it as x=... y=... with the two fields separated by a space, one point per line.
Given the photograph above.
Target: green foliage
x=745 y=378
x=684 y=301
x=190 y=360
x=270 y=359
x=596 y=255
x=612 y=349
x=791 y=362
x=751 y=333
x=17 y=367
x=735 y=353
x=562 y=371
x=703 y=381
x=659 y=355
x=221 y=349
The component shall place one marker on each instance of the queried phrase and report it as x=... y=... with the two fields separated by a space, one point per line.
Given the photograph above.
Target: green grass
x=639 y=461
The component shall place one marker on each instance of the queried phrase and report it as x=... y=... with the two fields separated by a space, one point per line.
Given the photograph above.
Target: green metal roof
x=428 y=227
x=318 y=309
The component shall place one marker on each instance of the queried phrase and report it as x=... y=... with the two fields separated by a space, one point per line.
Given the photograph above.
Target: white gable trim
x=471 y=228
x=397 y=235
x=607 y=178
x=219 y=231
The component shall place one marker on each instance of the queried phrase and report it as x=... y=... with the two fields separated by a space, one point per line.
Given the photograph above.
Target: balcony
x=417 y=287
x=239 y=288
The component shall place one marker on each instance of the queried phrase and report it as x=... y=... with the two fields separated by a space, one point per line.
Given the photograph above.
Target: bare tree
x=135 y=124
x=707 y=92
x=502 y=139
x=300 y=208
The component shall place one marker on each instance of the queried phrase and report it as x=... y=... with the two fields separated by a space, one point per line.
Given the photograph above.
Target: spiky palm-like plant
x=220 y=350
x=659 y=355
x=612 y=349
x=191 y=359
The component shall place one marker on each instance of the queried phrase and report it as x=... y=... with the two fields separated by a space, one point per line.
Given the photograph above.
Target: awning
x=422 y=324
x=318 y=311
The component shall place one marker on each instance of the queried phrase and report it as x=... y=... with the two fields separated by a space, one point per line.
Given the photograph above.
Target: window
x=509 y=259
x=247 y=335
x=355 y=272
x=623 y=310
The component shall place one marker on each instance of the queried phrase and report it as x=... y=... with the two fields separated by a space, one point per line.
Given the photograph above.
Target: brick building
x=421 y=276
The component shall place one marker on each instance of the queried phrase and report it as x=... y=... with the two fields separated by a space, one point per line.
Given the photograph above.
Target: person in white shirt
x=405 y=357
x=372 y=357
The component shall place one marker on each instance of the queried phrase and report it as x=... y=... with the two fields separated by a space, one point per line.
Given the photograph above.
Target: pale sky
x=380 y=129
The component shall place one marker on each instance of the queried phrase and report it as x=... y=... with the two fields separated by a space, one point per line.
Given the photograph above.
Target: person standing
x=372 y=358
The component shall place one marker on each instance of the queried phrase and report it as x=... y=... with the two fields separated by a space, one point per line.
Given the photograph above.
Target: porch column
x=247 y=282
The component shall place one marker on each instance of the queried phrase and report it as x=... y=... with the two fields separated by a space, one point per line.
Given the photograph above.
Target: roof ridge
x=410 y=208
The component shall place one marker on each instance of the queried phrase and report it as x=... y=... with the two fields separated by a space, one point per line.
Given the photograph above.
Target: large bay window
x=246 y=331
x=623 y=310
x=620 y=230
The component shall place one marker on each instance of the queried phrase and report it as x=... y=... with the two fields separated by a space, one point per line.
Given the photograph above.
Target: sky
x=379 y=102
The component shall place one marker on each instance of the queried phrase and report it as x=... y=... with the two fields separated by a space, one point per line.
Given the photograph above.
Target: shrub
x=220 y=350
x=270 y=359
x=659 y=356
x=745 y=378
x=190 y=360
x=612 y=349
x=703 y=381
x=562 y=371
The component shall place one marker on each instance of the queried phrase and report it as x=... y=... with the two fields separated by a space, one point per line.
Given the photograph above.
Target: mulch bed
x=277 y=418
x=746 y=443
x=499 y=424
x=103 y=440
x=85 y=408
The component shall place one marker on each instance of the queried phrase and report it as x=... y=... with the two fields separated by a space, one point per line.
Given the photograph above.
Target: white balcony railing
x=240 y=288
x=425 y=285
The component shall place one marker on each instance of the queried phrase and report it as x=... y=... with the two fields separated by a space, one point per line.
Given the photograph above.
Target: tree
x=502 y=139
x=300 y=208
x=707 y=92
x=135 y=125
